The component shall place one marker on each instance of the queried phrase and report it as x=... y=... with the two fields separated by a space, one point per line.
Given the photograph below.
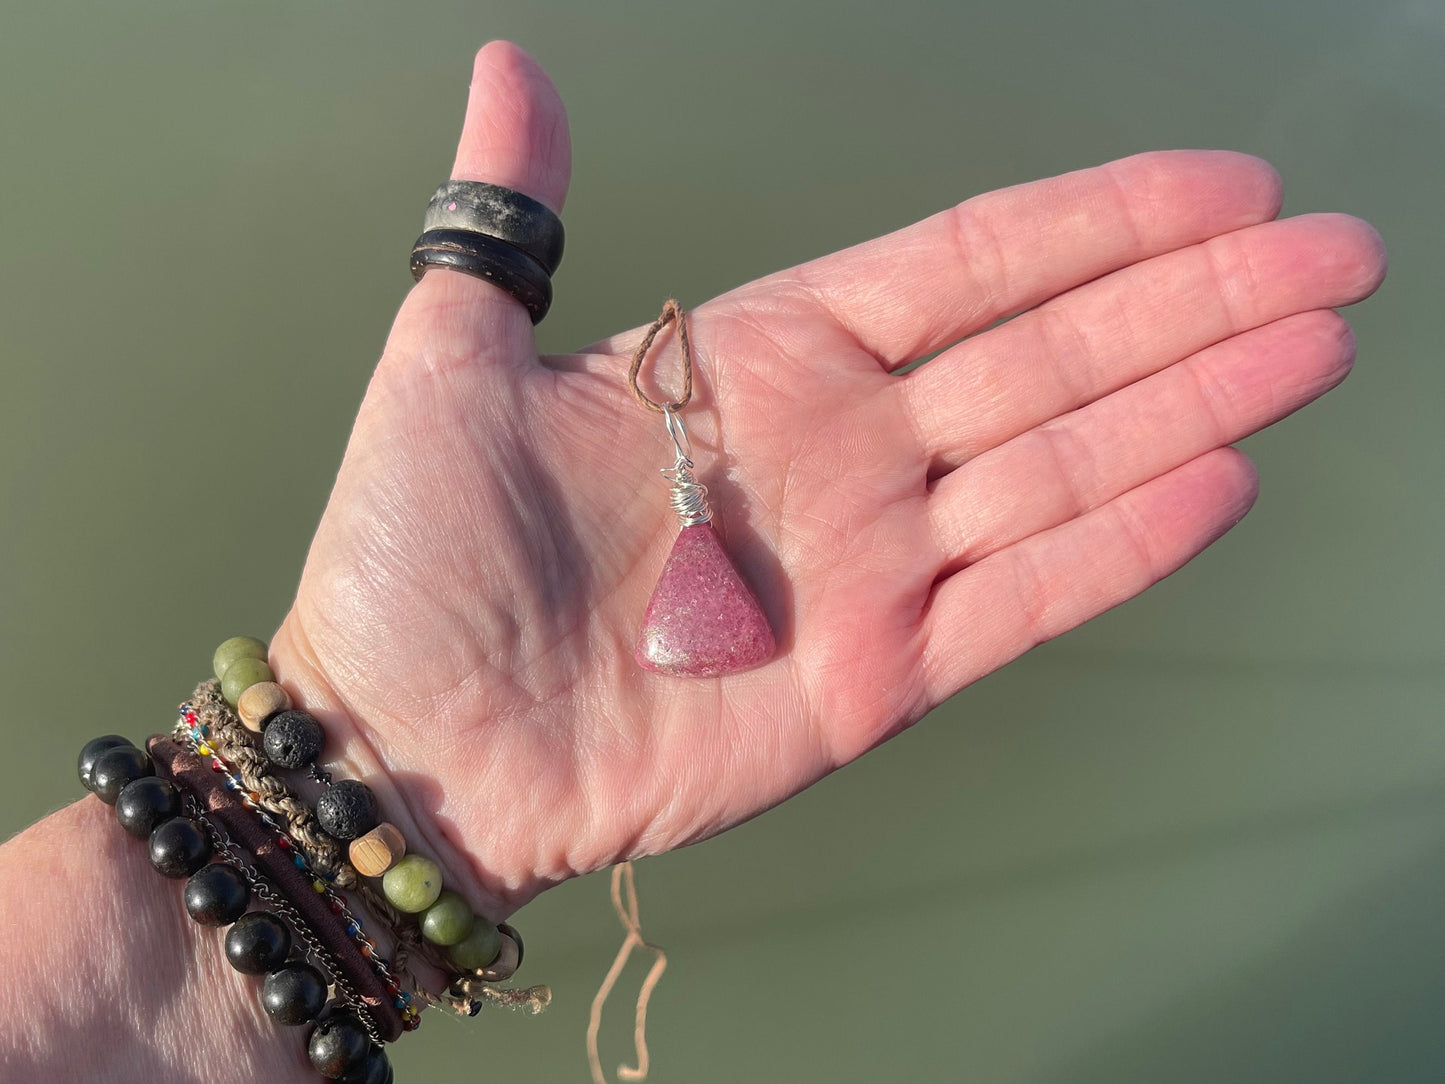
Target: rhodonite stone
x=702 y=620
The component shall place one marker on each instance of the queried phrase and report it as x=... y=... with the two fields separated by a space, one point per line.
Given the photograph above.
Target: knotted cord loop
x=670 y=311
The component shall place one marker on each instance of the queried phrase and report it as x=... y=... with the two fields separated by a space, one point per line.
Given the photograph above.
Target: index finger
x=909 y=293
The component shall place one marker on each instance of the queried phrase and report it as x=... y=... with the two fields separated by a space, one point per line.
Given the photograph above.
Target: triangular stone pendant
x=702 y=620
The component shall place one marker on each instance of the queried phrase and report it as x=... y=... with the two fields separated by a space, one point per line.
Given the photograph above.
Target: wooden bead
x=261 y=701
x=377 y=851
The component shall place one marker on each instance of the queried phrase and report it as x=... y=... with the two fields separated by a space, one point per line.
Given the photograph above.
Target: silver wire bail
x=677 y=430
x=689 y=496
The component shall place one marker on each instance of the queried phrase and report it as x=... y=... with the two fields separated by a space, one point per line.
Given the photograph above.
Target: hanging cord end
x=624 y=902
x=532 y=1000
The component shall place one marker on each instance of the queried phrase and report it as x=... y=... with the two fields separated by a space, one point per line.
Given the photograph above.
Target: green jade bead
x=241 y=675
x=478 y=949
x=413 y=884
x=447 y=921
x=237 y=647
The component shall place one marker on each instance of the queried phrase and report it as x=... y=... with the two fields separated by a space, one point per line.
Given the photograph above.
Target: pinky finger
x=1010 y=602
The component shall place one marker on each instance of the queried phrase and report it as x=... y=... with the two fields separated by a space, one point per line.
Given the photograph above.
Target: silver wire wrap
x=689 y=496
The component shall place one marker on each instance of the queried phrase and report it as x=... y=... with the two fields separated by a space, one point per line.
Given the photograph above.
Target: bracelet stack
x=213 y=809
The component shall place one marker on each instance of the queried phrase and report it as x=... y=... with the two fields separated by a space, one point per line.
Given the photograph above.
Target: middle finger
x=1106 y=334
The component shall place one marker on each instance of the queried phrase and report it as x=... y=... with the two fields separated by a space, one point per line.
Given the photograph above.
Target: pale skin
x=467 y=615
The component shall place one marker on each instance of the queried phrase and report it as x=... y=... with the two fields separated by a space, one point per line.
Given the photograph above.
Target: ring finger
x=1081 y=461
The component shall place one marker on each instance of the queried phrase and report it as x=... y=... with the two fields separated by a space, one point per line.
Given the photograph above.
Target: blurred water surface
x=1200 y=839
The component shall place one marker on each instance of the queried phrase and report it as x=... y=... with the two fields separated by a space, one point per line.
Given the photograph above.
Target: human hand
x=466 y=620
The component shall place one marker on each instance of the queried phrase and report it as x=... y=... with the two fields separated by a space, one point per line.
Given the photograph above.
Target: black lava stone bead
x=293 y=994
x=179 y=847
x=375 y=1068
x=259 y=942
x=347 y=809
x=337 y=1045
x=144 y=803
x=85 y=763
x=293 y=739
x=216 y=895
x=116 y=767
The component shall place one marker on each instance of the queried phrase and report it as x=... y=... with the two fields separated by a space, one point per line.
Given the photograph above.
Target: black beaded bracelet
x=181 y=844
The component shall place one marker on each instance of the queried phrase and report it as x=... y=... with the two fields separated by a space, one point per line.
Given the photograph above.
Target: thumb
x=515 y=134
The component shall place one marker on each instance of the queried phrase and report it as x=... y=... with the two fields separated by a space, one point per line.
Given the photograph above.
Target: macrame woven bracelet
x=230 y=739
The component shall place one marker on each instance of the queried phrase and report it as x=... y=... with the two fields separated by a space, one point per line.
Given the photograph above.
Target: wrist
x=100 y=950
x=443 y=827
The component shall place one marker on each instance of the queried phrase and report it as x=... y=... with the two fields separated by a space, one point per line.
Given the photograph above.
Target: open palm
x=471 y=602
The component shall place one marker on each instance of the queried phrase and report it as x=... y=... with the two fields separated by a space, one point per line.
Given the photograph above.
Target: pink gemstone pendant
x=702 y=620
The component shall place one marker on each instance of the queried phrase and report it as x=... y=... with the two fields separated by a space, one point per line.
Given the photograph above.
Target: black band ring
x=487 y=258
x=498 y=212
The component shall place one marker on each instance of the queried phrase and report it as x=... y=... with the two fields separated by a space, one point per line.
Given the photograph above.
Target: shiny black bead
x=375 y=1068
x=347 y=809
x=217 y=895
x=144 y=803
x=259 y=942
x=338 y=1044
x=116 y=767
x=293 y=739
x=179 y=847
x=294 y=994
x=90 y=753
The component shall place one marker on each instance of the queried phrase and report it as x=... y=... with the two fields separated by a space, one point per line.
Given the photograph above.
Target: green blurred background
x=1199 y=840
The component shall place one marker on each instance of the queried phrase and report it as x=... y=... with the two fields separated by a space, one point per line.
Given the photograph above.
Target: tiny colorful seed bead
x=377 y=851
x=413 y=884
x=480 y=948
x=447 y=921
x=241 y=675
x=237 y=647
x=261 y=701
